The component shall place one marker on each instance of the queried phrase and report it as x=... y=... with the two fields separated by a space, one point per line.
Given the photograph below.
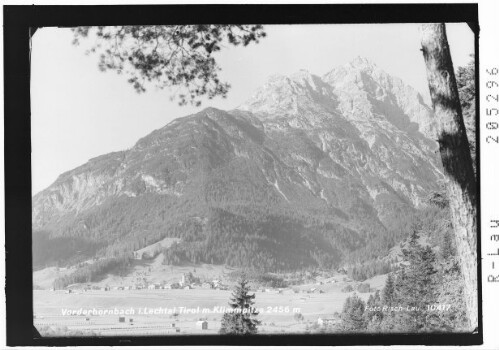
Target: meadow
x=176 y=311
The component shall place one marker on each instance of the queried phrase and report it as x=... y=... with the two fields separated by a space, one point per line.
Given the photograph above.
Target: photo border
x=21 y=22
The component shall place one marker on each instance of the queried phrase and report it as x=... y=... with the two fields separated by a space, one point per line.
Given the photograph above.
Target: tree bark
x=456 y=157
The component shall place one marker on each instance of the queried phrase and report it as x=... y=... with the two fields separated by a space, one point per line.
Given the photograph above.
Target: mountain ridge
x=351 y=150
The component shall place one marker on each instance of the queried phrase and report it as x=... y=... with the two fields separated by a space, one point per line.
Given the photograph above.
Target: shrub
x=364 y=288
x=347 y=289
x=298 y=317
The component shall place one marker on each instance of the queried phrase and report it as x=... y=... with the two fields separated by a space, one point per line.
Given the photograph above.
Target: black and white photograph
x=241 y=179
x=267 y=178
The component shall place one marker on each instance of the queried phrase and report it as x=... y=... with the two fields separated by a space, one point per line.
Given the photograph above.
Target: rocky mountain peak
x=364 y=88
x=360 y=62
x=358 y=90
x=348 y=149
x=291 y=96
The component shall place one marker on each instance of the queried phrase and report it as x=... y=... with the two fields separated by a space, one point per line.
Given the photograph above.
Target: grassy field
x=151 y=271
x=277 y=310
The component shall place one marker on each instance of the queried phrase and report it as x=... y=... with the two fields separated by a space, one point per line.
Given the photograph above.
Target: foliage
x=450 y=292
x=364 y=288
x=94 y=271
x=64 y=331
x=416 y=285
x=389 y=290
x=438 y=198
x=59 y=251
x=254 y=240
x=259 y=278
x=422 y=280
x=190 y=278
x=298 y=317
x=260 y=236
x=368 y=270
x=347 y=289
x=174 y=55
x=465 y=78
x=243 y=318
x=448 y=249
x=352 y=315
x=374 y=313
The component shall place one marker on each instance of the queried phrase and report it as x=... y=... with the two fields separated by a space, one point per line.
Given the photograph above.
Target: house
x=207 y=285
x=202 y=325
x=187 y=287
x=185 y=279
x=167 y=286
x=152 y=286
x=326 y=321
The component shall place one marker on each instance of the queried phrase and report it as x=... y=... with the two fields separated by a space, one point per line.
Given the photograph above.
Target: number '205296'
x=492 y=99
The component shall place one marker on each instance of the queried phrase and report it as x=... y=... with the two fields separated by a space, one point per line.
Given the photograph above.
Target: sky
x=78 y=112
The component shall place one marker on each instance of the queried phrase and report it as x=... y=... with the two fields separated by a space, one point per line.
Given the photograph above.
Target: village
x=187 y=299
x=192 y=303
x=186 y=282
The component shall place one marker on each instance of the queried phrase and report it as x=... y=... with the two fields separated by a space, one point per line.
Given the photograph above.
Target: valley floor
x=277 y=311
x=158 y=311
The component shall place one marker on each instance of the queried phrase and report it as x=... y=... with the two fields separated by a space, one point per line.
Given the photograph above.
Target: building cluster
x=201 y=324
x=186 y=282
x=328 y=321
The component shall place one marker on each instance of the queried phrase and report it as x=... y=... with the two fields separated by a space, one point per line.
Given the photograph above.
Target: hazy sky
x=78 y=112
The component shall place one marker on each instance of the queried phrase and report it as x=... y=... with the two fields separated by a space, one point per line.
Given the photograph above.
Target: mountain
x=309 y=171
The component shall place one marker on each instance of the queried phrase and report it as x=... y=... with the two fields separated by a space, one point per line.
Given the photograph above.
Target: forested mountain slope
x=307 y=172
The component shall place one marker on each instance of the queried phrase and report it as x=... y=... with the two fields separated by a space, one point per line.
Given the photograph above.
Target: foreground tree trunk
x=456 y=157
